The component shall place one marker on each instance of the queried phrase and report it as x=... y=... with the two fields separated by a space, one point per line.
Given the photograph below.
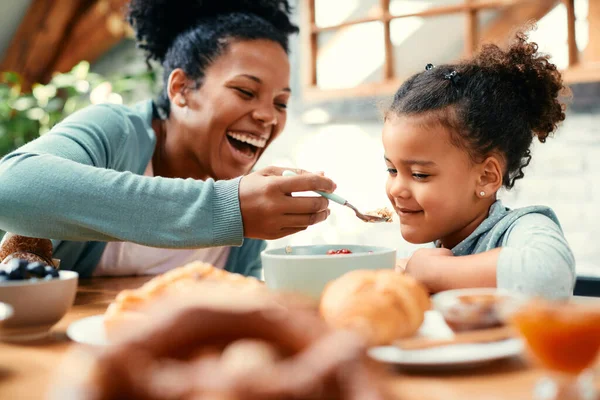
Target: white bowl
x=308 y=269
x=37 y=304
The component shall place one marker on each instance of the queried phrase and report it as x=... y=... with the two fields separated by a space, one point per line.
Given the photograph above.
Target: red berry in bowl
x=339 y=251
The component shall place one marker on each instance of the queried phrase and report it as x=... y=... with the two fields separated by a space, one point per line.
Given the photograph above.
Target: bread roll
x=25 y=248
x=382 y=305
x=129 y=307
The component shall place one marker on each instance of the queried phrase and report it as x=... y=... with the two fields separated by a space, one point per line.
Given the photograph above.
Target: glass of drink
x=563 y=338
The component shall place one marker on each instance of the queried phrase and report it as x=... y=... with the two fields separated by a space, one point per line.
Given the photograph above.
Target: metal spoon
x=340 y=200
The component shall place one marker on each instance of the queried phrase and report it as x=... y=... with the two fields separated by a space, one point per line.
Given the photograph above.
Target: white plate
x=89 y=330
x=444 y=357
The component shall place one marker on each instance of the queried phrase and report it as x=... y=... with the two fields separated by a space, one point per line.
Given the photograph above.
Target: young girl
x=453 y=137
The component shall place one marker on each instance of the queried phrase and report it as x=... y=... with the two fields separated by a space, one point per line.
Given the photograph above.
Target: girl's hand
x=401 y=265
x=425 y=265
x=268 y=209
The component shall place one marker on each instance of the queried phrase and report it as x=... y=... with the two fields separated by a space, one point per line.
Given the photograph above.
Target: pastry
x=127 y=309
x=239 y=345
x=382 y=305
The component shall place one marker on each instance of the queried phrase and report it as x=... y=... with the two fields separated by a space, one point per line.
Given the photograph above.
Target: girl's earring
x=482 y=193
x=181 y=101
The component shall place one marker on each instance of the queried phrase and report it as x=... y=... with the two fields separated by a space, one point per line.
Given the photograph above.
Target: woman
x=160 y=181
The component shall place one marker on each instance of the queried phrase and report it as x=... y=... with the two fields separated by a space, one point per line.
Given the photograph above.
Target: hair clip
x=429 y=66
x=453 y=76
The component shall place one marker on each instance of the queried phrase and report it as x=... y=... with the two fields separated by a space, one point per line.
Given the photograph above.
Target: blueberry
x=16 y=274
x=12 y=264
x=17 y=263
x=3 y=272
x=51 y=272
x=37 y=269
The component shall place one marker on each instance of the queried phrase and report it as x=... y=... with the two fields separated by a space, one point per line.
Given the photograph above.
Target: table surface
x=27 y=369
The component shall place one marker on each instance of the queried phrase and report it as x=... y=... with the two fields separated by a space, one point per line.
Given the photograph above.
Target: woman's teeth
x=248 y=138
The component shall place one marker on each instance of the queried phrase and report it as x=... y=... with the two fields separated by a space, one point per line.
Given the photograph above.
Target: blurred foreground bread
x=127 y=310
x=226 y=344
x=382 y=305
x=26 y=248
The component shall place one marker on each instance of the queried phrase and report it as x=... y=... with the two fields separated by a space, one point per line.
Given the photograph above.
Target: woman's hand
x=268 y=209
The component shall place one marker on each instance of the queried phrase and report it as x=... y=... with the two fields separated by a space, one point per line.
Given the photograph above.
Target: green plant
x=25 y=116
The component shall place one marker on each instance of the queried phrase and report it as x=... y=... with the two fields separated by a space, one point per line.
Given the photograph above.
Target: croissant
x=382 y=305
x=243 y=346
x=128 y=308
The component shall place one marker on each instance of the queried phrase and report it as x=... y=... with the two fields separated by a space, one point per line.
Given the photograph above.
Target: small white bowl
x=37 y=304
x=308 y=269
x=472 y=308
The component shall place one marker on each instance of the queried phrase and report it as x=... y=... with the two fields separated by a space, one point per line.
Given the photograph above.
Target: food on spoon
x=383 y=212
x=128 y=307
x=242 y=346
x=381 y=305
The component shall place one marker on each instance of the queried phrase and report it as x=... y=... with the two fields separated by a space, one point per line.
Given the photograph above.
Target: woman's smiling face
x=239 y=109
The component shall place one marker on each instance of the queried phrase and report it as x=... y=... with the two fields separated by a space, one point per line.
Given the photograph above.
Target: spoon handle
x=331 y=196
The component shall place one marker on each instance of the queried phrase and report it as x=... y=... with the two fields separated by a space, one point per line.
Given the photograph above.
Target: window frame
x=576 y=72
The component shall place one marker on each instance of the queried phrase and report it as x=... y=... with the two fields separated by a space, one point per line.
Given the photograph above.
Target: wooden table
x=26 y=369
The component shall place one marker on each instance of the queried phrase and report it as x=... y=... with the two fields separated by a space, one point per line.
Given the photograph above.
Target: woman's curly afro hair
x=190 y=34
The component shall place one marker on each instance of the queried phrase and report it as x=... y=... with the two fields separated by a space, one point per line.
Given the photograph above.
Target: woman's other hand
x=268 y=209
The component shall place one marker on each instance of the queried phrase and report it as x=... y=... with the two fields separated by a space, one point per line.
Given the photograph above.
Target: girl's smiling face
x=432 y=183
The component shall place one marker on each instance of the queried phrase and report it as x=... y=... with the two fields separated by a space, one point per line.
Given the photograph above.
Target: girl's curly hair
x=496 y=102
x=190 y=34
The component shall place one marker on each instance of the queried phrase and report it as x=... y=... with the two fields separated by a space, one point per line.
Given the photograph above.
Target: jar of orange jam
x=564 y=338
